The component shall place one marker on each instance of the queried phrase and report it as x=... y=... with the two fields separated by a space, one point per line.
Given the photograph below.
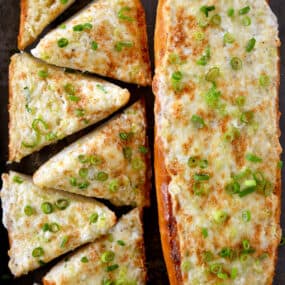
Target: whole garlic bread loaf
x=217 y=145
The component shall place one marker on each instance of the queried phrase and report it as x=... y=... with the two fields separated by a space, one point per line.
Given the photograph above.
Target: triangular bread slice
x=108 y=38
x=111 y=162
x=43 y=224
x=46 y=104
x=117 y=258
x=36 y=15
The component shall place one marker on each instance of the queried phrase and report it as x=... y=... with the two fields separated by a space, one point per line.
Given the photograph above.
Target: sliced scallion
x=47 y=208
x=123 y=16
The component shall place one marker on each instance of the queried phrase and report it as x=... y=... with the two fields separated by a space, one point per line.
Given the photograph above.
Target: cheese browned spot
x=118 y=257
x=43 y=224
x=107 y=37
x=223 y=70
x=47 y=104
x=36 y=15
x=112 y=162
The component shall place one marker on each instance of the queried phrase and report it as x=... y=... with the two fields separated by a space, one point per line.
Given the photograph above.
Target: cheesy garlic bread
x=217 y=145
x=112 y=162
x=35 y=16
x=117 y=258
x=43 y=224
x=108 y=38
x=47 y=104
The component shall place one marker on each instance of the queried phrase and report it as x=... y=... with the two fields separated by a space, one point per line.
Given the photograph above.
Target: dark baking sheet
x=9 y=19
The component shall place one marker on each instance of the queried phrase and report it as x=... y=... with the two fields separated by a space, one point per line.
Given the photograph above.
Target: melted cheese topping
x=114 y=43
x=104 y=164
x=36 y=16
x=237 y=118
x=85 y=266
x=47 y=104
x=31 y=229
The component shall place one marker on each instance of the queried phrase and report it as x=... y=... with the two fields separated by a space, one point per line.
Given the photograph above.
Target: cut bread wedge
x=112 y=162
x=47 y=104
x=217 y=150
x=117 y=258
x=36 y=15
x=108 y=38
x=43 y=224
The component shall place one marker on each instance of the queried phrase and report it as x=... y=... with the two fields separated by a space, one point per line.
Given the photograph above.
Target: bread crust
x=23 y=16
x=167 y=222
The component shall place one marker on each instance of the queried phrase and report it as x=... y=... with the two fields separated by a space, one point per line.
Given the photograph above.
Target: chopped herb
x=36 y=123
x=264 y=80
x=127 y=151
x=204 y=232
x=247 y=117
x=94 y=218
x=63 y=1
x=142 y=149
x=114 y=186
x=112 y=267
x=83 y=185
x=236 y=63
x=74 y=98
x=280 y=164
x=73 y=181
x=45 y=227
x=120 y=45
x=63 y=42
x=240 y=101
x=102 y=176
x=84 y=259
x=206 y=9
x=121 y=242
x=80 y=112
x=246 y=216
x=220 y=216
x=213 y=74
x=253 y=158
x=233 y=187
x=244 y=10
x=64 y=241
x=193 y=161
x=208 y=256
x=51 y=136
x=69 y=89
x=122 y=16
x=204 y=59
x=203 y=163
x=62 y=204
x=216 y=268
x=212 y=97
x=95 y=159
x=228 y=38
x=234 y=273
x=47 y=208
x=250 y=45
x=94 y=45
x=198 y=122
x=37 y=252
x=107 y=256
x=201 y=177
x=43 y=74
x=138 y=164
x=83 y=172
x=54 y=227
x=231 y=12
x=176 y=79
x=18 y=179
x=78 y=28
x=125 y=136
x=29 y=211
x=216 y=20
x=246 y=21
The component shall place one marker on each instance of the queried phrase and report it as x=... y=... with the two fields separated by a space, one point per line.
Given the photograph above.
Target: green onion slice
x=122 y=16
x=264 y=80
x=206 y=9
x=29 y=211
x=62 y=42
x=213 y=74
x=228 y=38
x=107 y=256
x=84 y=259
x=120 y=45
x=62 y=204
x=102 y=176
x=37 y=252
x=250 y=45
x=83 y=172
x=18 y=179
x=201 y=177
x=47 y=208
x=253 y=158
x=244 y=10
x=94 y=218
x=216 y=20
x=246 y=216
x=220 y=216
x=198 y=122
x=94 y=45
x=236 y=63
x=246 y=21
